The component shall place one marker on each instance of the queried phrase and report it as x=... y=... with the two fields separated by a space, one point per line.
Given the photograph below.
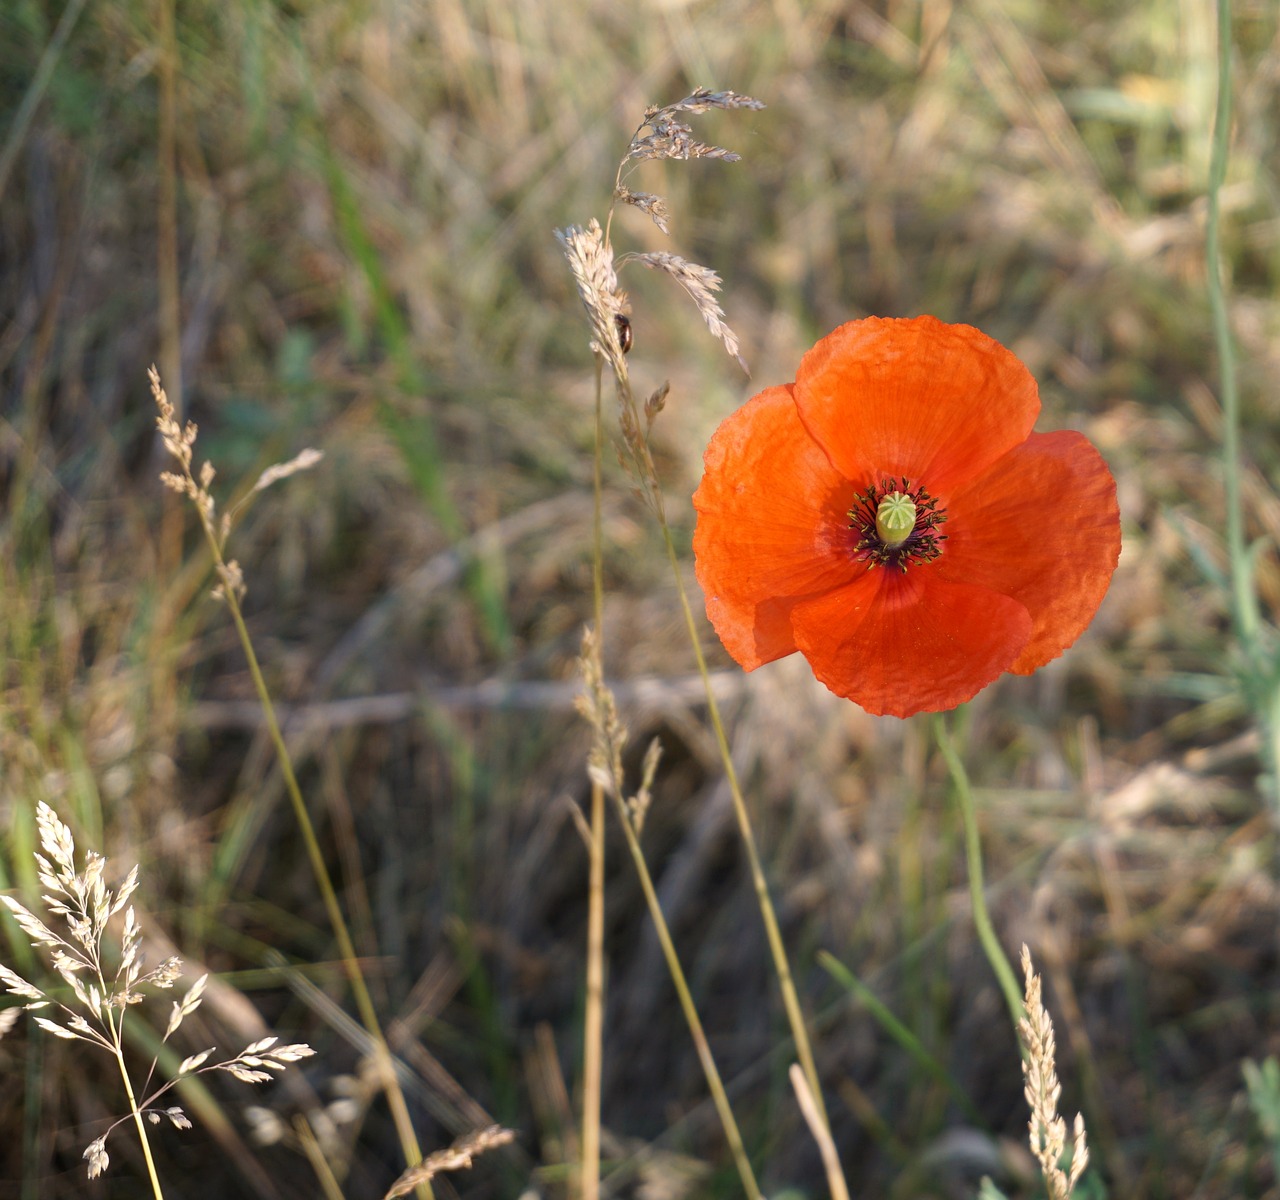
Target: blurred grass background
x=360 y=247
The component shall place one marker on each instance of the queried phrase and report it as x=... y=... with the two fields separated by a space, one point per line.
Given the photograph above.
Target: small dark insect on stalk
x=625 y=337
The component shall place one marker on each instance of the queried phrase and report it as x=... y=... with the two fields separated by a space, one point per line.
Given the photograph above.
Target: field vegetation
x=331 y=225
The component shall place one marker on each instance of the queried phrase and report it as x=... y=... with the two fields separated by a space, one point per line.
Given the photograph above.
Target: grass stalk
x=364 y=1002
x=593 y=1018
x=1243 y=599
x=900 y=1033
x=782 y=967
x=973 y=855
x=702 y=1047
x=1263 y=687
x=821 y=1135
x=179 y=443
x=719 y=1096
x=117 y=1039
x=168 y=286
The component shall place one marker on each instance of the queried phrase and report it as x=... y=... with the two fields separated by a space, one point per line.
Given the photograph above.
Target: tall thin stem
x=702 y=1047
x=117 y=1040
x=715 y=1085
x=593 y=1019
x=346 y=948
x=973 y=856
x=168 y=284
x=790 y=999
x=1244 y=601
x=1265 y=689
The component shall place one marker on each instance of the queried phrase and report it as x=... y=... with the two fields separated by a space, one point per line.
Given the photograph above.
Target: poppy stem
x=973 y=854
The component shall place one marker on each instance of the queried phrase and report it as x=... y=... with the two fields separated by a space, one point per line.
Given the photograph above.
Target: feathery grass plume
x=180 y=442
x=86 y=905
x=457 y=1157
x=701 y=283
x=669 y=137
x=1048 y=1129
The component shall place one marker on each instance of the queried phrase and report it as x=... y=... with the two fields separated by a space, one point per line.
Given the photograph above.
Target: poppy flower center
x=896 y=525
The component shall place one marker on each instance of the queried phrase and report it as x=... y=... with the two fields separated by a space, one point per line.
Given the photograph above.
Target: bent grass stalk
x=790 y=998
x=179 y=443
x=703 y=1048
x=821 y=1134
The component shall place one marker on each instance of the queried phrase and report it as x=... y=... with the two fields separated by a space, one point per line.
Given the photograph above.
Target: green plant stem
x=782 y=967
x=973 y=855
x=900 y=1033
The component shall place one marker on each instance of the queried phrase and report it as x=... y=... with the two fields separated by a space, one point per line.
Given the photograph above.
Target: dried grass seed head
x=654 y=206
x=701 y=283
x=669 y=137
x=591 y=261
x=1048 y=1131
x=457 y=1157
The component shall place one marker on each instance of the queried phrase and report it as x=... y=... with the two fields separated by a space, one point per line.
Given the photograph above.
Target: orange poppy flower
x=892 y=516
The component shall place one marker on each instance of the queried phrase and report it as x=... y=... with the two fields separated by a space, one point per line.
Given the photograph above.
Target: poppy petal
x=1043 y=527
x=772 y=526
x=937 y=403
x=901 y=643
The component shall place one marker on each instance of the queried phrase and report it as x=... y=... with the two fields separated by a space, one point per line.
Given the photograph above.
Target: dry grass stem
x=180 y=442
x=1048 y=1129
x=821 y=1134
x=457 y=1157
